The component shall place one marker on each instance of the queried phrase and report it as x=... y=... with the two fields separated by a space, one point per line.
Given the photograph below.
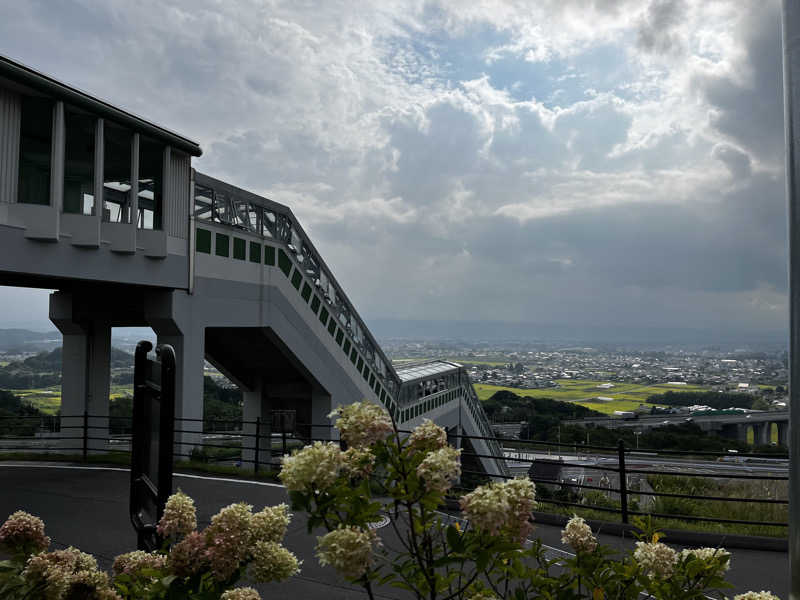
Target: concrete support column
x=741 y=433
x=254 y=407
x=190 y=363
x=171 y=316
x=321 y=407
x=783 y=434
x=86 y=373
x=765 y=434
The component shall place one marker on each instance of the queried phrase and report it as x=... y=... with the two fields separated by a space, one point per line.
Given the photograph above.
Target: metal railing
x=258 y=445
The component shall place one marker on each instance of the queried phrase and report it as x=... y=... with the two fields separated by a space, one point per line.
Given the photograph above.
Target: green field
x=48 y=400
x=625 y=396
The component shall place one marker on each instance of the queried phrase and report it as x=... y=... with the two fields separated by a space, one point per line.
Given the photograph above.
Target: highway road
x=88 y=506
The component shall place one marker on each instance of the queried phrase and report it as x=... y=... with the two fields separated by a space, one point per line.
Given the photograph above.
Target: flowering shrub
x=198 y=564
x=406 y=478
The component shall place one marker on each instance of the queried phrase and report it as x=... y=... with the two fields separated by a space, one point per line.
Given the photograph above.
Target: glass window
x=36 y=137
x=116 y=173
x=151 y=181
x=79 y=163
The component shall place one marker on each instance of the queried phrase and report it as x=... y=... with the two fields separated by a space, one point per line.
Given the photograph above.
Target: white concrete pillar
x=189 y=364
x=85 y=375
x=321 y=407
x=255 y=407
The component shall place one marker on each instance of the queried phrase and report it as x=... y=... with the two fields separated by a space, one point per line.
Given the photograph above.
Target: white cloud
x=411 y=137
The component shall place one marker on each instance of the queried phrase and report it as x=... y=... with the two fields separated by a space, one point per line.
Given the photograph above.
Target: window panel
x=151 y=183
x=116 y=173
x=35 y=144
x=79 y=163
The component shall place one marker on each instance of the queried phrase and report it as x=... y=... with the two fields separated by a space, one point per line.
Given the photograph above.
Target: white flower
x=348 y=550
x=657 y=559
x=440 y=468
x=270 y=524
x=361 y=424
x=179 y=518
x=273 y=562
x=762 y=595
x=579 y=535
x=707 y=554
x=316 y=466
x=427 y=436
x=243 y=593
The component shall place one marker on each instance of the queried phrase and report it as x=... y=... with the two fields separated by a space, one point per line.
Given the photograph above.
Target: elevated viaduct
x=732 y=426
x=105 y=208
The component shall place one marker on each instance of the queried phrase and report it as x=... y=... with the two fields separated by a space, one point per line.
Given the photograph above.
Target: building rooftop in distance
x=425 y=369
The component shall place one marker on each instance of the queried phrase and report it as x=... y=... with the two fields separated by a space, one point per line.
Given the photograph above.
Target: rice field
x=48 y=400
x=622 y=396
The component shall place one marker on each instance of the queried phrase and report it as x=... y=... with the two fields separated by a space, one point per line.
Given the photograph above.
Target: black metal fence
x=258 y=445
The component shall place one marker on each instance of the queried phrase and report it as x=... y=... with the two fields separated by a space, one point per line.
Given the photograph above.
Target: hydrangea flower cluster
x=656 y=559
x=226 y=539
x=188 y=557
x=179 y=518
x=358 y=462
x=348 y=549
x=68 y=573
x=22 y=533
x=707 y=554
x=762 y=595
x=427 y=437
x=440 y=468
x=578 y=535
x=272 y=562
x=242 y=593
x=133 y=562
x=313 y=467
x=270 y=524
x=361 y=424
x=501 y=507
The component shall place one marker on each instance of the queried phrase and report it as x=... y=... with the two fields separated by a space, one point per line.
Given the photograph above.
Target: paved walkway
x=87 y=507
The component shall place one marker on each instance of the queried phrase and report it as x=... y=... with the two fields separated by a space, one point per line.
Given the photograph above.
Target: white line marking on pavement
x=187 y=475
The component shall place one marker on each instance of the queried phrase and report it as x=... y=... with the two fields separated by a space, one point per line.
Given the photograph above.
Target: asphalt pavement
x=87 y=507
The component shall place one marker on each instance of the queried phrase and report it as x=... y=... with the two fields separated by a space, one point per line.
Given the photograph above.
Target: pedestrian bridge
x=105 y=208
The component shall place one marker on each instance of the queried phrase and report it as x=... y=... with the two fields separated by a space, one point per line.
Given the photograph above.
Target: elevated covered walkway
x=105 y=208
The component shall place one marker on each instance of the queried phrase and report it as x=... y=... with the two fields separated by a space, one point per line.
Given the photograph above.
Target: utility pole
x=791 y=112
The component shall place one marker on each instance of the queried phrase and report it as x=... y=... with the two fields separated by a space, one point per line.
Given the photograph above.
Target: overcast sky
x=552 y=161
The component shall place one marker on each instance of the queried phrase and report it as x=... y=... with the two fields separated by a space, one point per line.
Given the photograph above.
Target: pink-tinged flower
x=133 y=562
x=440 y=468
x=361 y=424
x=179 y=516
x=486 y=507
x=656 y=559
x=68 y=573
x=579 y=536
x=348 y=549
x=227 y=539
x=358 y=462
x=22 y=533
x=315 y=467
x=272 y=562
x=188 y=557
x=427 y=437
x=521 y=494
x=242 y=593
x=269 y=525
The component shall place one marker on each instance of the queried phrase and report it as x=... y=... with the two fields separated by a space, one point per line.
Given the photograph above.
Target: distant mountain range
x=25 y=340
x=597 y=335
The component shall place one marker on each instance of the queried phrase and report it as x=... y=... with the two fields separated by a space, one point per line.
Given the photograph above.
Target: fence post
x=283 y=432
x=85 y=434
x=258 y=444
x=623 y=483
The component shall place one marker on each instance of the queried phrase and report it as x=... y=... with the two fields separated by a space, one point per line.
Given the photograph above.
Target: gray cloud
x=657 y=29
x=448 y=199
